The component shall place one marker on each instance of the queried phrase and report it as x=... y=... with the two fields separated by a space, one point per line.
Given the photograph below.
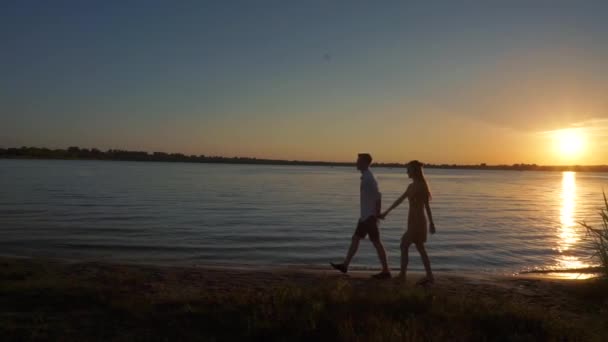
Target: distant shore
x=76 y=153
x=58 y=300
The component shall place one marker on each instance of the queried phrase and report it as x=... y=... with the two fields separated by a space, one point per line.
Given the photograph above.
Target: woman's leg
x=405 y=246
x=425 y=260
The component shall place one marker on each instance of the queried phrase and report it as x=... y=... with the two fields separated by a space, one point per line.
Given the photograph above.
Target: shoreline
x=586 y=272
x=295 y=273
x=319 y=269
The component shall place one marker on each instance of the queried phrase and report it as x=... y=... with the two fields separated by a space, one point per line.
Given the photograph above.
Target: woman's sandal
x=425 y=282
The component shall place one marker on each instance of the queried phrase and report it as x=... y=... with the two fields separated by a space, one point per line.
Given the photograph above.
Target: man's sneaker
x=382 y=275
x=340 y=267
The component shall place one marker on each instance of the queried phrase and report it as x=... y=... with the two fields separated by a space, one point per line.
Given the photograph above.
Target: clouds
x=596 y=130
x=597 y=125
x=594 y=126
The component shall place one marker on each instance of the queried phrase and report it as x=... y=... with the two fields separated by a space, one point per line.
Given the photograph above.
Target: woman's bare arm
x=430 y=216
x=397 y=202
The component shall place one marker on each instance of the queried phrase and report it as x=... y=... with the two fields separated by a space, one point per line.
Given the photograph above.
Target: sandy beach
x=59 y=300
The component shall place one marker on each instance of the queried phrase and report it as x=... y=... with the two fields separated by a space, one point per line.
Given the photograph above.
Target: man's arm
x=370 y=187
x=379 y=205
x=373 y=187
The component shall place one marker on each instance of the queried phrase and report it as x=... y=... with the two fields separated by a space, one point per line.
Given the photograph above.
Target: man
x=370 y=199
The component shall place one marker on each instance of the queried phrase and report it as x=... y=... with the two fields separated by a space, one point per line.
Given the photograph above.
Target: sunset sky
x=460 y=82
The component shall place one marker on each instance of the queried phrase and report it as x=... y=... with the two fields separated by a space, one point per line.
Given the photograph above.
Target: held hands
x=383 y=215
x=432 y=228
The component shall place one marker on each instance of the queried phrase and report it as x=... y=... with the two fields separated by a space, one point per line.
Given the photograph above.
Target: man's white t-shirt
x=369 y=195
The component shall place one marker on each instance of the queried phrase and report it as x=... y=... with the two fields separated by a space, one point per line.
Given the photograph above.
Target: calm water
x=493 y=221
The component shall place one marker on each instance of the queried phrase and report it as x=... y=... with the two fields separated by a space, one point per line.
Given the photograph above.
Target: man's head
x=364 y=160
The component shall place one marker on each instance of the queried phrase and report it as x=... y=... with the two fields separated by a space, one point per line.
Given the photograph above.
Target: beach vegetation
x=599 y=238
x=48 y=301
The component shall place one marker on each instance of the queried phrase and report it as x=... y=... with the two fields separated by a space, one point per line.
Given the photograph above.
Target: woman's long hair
x=415 y=168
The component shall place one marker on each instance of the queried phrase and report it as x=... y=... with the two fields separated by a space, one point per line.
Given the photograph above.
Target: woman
x=419 y=196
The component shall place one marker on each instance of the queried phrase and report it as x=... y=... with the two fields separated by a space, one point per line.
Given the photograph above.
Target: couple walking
x=418 y=195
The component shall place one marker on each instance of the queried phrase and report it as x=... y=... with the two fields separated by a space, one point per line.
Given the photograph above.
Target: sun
x=570 y=142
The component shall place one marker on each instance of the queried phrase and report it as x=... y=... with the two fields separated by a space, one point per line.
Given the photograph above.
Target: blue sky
x=440 y=82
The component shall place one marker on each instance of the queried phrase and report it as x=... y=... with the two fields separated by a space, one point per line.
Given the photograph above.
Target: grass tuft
x=599 y=238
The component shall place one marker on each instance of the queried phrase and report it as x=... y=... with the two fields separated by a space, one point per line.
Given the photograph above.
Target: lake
x=201 y=214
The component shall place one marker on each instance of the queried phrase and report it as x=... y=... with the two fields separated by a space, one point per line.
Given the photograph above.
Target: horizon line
x=179 y=154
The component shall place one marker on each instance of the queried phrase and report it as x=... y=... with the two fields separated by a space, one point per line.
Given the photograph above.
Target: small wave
x=564 y=270
x=128 y=247
x=8 y=212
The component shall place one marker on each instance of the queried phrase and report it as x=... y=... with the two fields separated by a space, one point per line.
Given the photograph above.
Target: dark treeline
x=96 y=154
x=112 y=154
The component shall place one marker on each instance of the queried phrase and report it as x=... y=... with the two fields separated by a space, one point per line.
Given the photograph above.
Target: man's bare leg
x=381 y=255
x=354 y=245
x=352 y=250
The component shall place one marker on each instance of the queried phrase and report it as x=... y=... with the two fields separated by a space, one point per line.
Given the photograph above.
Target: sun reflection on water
x=568 y=233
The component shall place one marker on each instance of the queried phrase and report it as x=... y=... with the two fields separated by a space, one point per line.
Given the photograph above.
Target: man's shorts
x=368 y=226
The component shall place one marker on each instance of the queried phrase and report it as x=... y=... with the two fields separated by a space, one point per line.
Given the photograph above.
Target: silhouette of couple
x=418 y=195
